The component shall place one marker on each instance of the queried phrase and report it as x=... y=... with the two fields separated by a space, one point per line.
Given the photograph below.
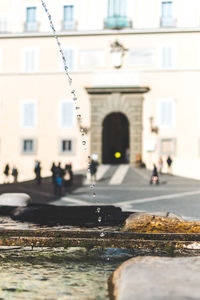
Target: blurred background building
x=135 y=66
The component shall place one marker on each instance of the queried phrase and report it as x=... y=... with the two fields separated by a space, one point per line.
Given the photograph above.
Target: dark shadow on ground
x=43 y=193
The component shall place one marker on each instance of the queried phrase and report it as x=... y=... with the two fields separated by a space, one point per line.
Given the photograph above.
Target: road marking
x=101 y=170
x=119 y=175
x=157 y=198
x=70 y=201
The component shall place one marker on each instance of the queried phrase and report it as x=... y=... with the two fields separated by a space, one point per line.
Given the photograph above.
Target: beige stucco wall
x=49 y=85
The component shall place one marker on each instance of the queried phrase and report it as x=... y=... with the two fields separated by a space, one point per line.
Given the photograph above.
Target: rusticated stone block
x=160 y=223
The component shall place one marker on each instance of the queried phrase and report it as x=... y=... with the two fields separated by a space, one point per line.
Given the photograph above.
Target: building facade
x=135 y=66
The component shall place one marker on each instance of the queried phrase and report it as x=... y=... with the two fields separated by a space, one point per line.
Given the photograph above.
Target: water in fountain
x=75 y=99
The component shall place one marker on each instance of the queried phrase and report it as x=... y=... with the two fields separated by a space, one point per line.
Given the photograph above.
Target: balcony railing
x=31 y=26
x=167 y=22
x=69 y=25
x=118 y=22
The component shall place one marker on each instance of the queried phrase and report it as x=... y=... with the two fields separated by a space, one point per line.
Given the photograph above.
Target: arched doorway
x=115 y=138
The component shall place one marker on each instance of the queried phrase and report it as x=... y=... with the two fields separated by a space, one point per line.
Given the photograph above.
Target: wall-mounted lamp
x=154 y=129
x=117 y=52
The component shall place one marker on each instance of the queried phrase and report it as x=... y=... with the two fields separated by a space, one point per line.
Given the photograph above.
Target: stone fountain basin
x=162 y=234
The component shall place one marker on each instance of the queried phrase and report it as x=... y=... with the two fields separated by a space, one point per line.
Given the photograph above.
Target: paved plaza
x=124 y=186
x=133 y=192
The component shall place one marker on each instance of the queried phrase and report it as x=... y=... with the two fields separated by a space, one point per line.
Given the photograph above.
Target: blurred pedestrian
x=53 y=171
x=68 y=177
x=160 y=165
x=59 y=174
x=37 y=170
x=14 y=174
x=6 y=173
x=93 y=164
x=154 y=177
x=169 y=163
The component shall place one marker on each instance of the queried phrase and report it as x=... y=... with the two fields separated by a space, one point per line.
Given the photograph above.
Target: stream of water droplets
x=76 y=102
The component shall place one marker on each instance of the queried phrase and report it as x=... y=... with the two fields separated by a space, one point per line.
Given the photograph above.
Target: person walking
x=93 y=164
x=68 y=177
x=6 y=173
x=154 y=176
x=59 y=174
x=160 y=165
x=53 y=171
x=14 y=174
x=37 y=171
x=169 y=163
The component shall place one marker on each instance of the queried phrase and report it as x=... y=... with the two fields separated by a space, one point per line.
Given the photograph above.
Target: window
x=3 y=23
x=31 y=21
x=1 y=60
x=68 y=17
x=167 y=146
x=28 y=146
x=167 y=14
x=198 y=112
x=67 y=114
x=166 y=114
x=116 y=8
x=167 y=57
x=70 y=59
x=117 y=17
x=30 y=60
x=28 y=113
x=67 y=146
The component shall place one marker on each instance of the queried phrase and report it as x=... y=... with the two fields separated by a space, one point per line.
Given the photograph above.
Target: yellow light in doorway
x=117 y=154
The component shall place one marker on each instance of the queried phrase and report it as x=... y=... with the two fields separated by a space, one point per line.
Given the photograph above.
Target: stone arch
x=126 y=100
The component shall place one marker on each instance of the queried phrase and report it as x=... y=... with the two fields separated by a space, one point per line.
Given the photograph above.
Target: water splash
x=74 y=98
x=66 y=68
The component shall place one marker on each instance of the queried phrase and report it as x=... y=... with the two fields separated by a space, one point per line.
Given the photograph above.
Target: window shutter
x=68 y=13
x=29 y=114
x=69 y=56
x=166 y=57
x=67 y=114
x=166 y=113
x=31 y=14
x=30 y=60
x=116 y=8
x=167 y=9
x=0 y=60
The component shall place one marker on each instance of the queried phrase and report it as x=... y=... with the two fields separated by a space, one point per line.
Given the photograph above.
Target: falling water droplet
x=77 y=107
x=94 y=195
x=70 y=81
x=82 y=134
x=102 y=234
x=78 y=116
x=92 y=186
x=108 y=258
x=75 y=98
x=83 y=143
x=98 y=209
x=99 y=219
x=73 y=92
